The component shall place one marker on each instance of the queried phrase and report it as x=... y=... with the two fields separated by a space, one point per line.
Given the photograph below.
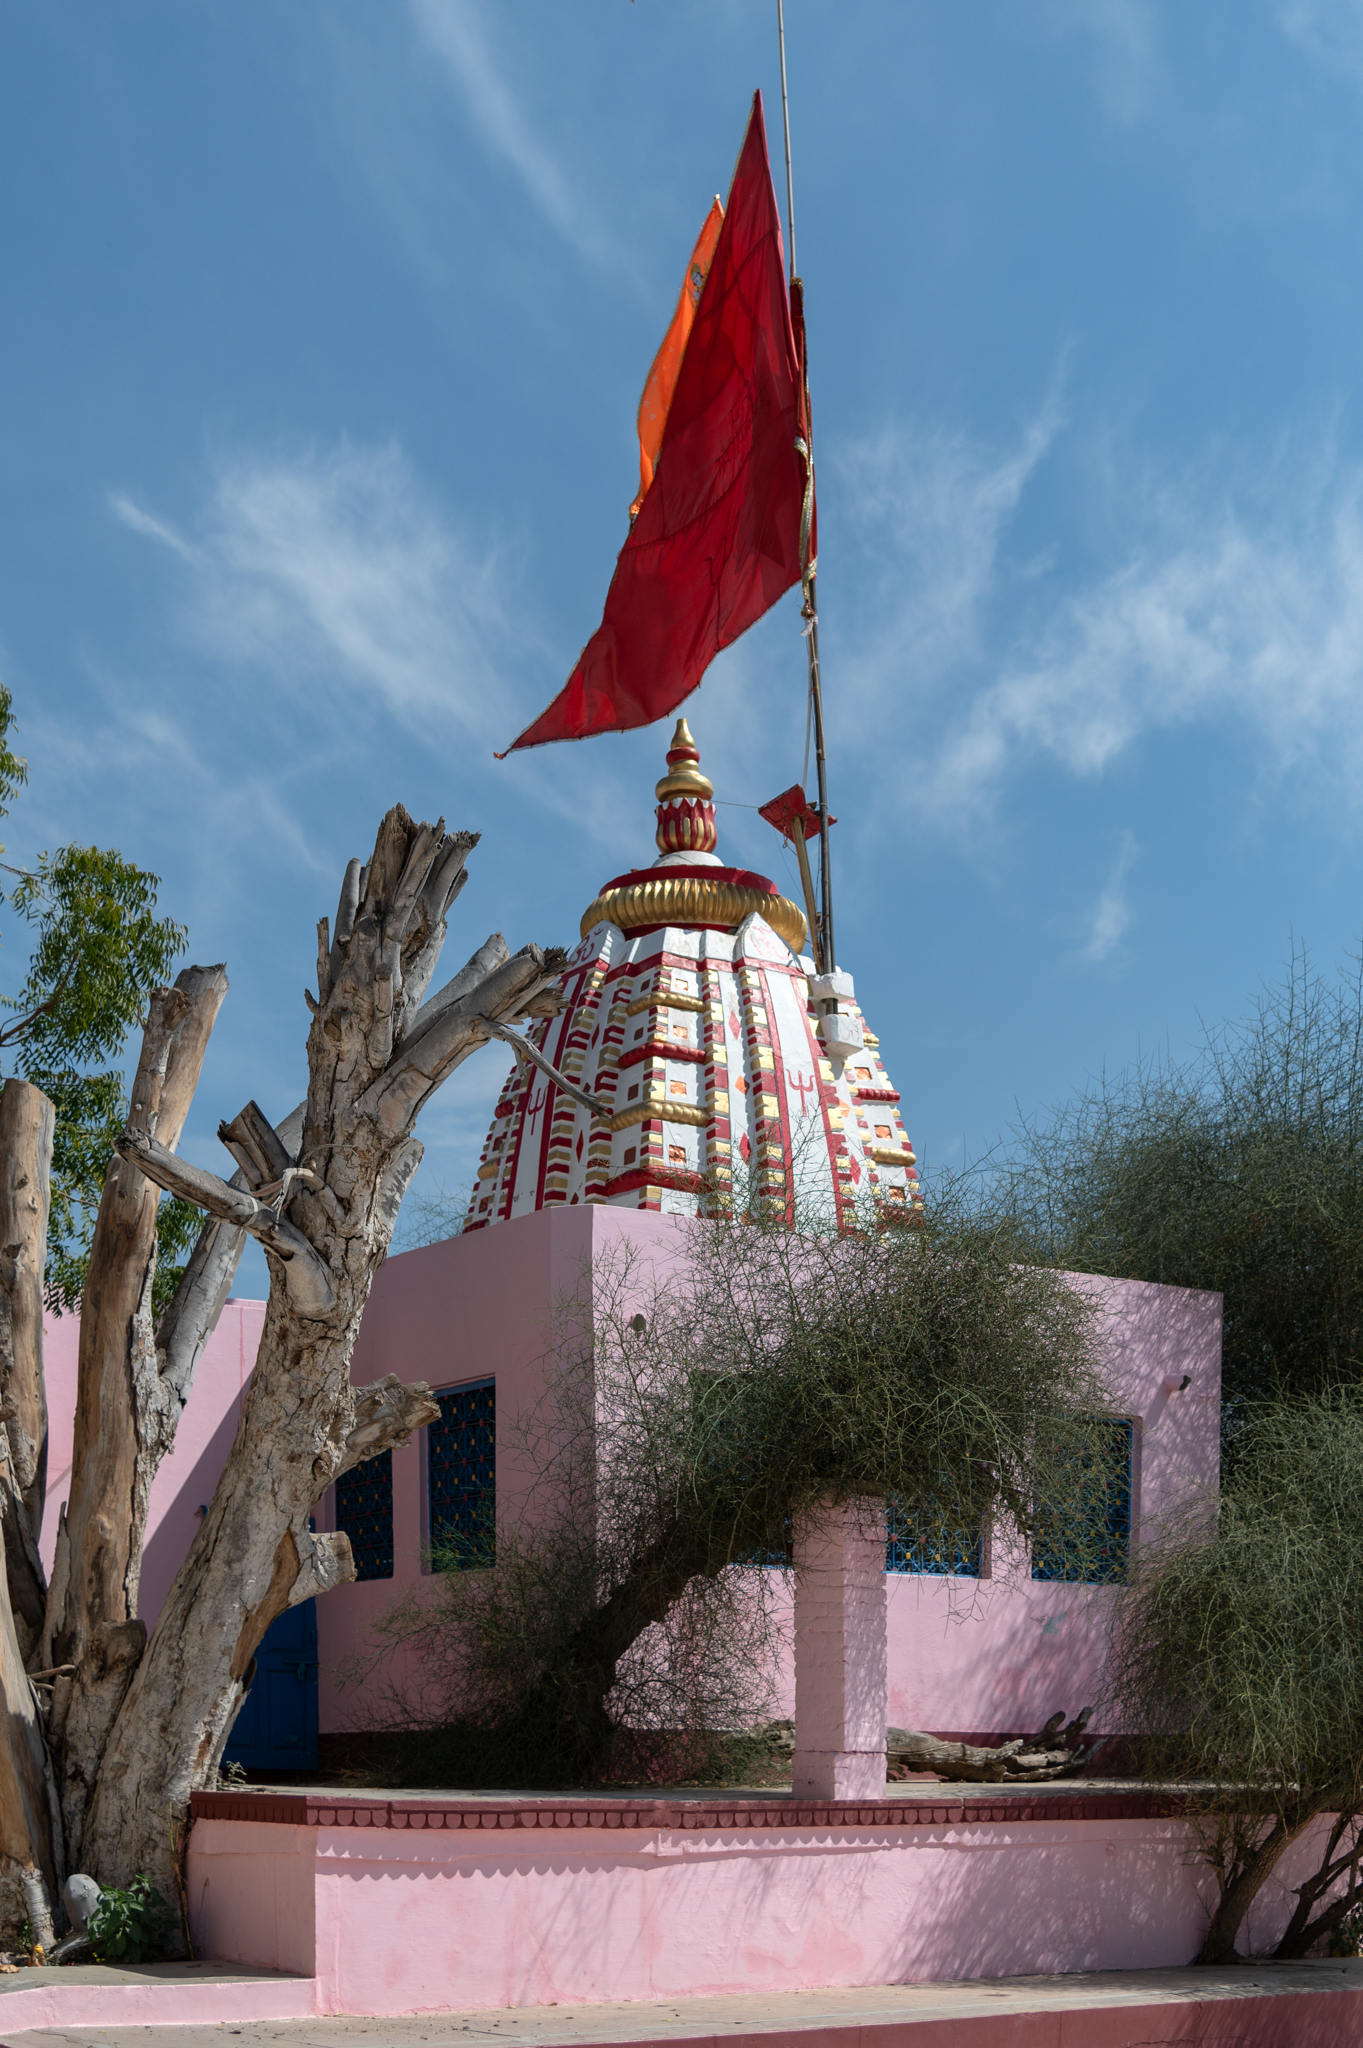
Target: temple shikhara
x=722 y=1061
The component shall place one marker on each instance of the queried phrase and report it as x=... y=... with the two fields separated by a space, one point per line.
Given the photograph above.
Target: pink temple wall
x=965 y=1656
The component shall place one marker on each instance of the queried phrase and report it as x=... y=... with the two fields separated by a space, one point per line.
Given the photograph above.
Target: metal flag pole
x=822 y=940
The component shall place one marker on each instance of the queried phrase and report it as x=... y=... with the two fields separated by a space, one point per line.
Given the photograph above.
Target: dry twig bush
x=691 y=1409
x=1238 y=1666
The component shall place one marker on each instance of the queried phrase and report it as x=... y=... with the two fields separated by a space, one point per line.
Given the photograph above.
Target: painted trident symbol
x=805 y=1086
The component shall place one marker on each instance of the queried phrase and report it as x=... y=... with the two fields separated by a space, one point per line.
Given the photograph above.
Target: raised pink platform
x=183 y=1994
x=432 y=1904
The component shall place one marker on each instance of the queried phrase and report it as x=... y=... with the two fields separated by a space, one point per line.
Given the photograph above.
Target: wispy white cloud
x=337 y=569
x=455 y=30
x=1110 y=918
x=1237 y=600
x=1123 y=36
x=1261 y=622
x=132 y=515
x=1330 y=31
x=334 y=582
x=933 y=509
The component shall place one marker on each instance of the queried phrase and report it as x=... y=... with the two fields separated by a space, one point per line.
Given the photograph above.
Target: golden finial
x=686 y=810
x=683 y=777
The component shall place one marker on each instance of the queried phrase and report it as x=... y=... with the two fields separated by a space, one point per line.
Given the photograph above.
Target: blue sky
x=324 y=328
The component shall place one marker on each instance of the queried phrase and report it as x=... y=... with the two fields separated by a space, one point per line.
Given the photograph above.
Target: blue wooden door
x=276 y=1728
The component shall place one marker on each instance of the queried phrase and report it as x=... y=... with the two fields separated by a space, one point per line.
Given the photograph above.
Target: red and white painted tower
x=690 y=1015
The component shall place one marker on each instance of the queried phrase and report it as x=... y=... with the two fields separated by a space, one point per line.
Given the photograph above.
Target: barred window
x=364 y=1509
x=1083 y=1536
x=930 y=1539
x=461 y=1476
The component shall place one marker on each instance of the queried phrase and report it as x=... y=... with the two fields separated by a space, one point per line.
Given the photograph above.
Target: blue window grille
x=925 y=1539
x=780 y=1560
x=364 y=1509
x=1088 y=1540
x=461 y=1478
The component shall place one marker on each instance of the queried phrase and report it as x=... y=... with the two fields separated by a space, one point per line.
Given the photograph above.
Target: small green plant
x=132 y=1926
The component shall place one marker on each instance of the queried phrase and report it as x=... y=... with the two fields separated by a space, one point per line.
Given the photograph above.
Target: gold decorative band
x=662 y=1001
x=685 y=897
x=693 y=1113
x=890 y=1155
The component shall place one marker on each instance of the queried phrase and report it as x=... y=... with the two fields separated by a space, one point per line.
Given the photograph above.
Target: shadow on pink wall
x=966 y=1657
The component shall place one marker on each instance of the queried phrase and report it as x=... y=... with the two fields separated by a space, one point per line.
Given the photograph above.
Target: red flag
x=717 y=540
x=661 y=383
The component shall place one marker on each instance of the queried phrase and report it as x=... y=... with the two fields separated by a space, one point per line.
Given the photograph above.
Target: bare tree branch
x=420 y=1065
x=193 y=1314
x=308 y=1281
x=386 y=1414
x=530 y=1052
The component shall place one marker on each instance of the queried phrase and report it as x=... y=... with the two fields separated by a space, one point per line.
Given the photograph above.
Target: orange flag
x=662 y=378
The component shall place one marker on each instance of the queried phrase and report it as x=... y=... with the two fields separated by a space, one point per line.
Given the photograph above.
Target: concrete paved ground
x=1119 y=2009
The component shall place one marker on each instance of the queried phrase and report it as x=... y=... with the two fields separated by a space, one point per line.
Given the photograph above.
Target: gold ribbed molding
x=688 y=896
x=666 y=1002
x=659 y=1108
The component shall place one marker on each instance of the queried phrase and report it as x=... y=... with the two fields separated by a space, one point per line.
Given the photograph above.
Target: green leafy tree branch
x=98 y=950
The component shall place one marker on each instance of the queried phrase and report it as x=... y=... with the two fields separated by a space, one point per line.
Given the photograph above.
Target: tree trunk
x=1302 y=1932
x=30 y=1833
x=109 y=1462
x=325 y=1219
x=26 y=1124
x=91 y=1621
x=1248 y=1878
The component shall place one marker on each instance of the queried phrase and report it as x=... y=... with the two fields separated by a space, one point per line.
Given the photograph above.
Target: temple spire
x=686 y=799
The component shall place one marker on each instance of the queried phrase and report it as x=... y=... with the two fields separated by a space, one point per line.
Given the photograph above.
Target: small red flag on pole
x=717 y=539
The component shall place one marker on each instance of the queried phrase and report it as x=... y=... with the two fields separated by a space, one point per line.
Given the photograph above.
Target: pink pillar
x=840 y=1634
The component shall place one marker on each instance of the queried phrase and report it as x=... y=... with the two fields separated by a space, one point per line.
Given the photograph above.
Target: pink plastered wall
x=492 y=1303
x=1000 y=1654
x=980 y=1656
x=966 y=1657
x=188 y=1476
x=422 y=1919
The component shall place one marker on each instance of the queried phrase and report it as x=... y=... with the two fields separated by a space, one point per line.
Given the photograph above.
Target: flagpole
x=785 y=121
x=821 y=941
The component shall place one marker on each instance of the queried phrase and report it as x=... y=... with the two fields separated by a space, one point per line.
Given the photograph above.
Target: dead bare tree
x=107 y=1733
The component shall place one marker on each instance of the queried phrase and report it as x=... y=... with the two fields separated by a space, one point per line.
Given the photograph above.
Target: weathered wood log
x=370 y=1071
x=1023 y=1760
x=26 y=1127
